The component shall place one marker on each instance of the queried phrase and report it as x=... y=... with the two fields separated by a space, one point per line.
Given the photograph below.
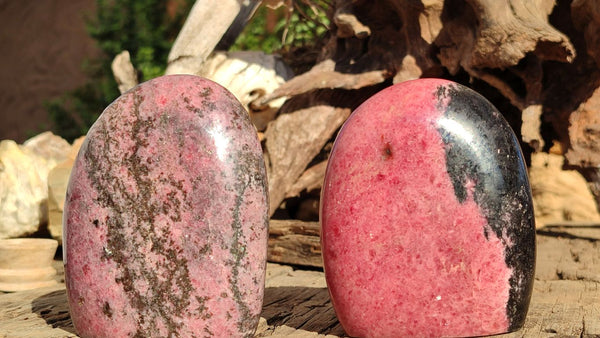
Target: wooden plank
x=295 y=242
x=563 y=308
x=300 y=308
x=41 y=313
x=559 y=308
x=567 y=258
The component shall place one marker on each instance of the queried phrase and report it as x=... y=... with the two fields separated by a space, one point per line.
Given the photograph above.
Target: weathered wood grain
x=293 y=140
x=324 y=75
x=574 y=229
x=563 y=308
x=203 y=29
x=311 y=179
x=294 y=242
x=37 y=313
x=559 y=308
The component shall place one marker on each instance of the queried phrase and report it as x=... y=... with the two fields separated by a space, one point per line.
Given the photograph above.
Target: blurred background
x=44 y=45
x=55 y=62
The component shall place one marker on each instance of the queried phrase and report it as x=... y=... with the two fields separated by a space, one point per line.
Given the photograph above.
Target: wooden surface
x=295 y=242
x=565 y=303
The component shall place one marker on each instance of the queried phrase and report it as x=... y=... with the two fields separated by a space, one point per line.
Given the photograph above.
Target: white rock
x=51 y=147
x=22 y=192
x=47 y=150
x=58 y=179
x=23 y=182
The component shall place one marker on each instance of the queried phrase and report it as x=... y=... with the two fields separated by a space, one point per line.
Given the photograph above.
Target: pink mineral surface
x=166 y=216
x=403 y=257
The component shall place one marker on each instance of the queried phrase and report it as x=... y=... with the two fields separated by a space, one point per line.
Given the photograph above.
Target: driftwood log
x=537 y=61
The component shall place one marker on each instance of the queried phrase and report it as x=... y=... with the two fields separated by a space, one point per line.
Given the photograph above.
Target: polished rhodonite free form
x=166 y=216
x=426 y=215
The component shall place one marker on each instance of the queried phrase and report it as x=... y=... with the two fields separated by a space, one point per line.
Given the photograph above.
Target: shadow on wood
x=301 y=308
x=54 y=309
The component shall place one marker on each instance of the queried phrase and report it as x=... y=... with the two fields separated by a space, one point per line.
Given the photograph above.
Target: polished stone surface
x=166 y=216
x=426 y=215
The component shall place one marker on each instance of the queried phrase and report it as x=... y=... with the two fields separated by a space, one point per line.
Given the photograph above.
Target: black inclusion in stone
x=482 y=151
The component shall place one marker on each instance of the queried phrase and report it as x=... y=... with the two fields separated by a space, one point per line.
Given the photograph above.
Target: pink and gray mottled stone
x=166 y=216
x=427 y=218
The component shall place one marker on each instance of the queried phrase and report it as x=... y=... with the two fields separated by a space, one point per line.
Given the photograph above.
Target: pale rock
x=23 y=182
x=51 y=148
x=22 y=192
x=58 y=179
x=124 y=72
x=559 y=195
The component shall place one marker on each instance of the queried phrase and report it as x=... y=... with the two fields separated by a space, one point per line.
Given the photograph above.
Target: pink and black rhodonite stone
x=427 y=219
x=166 y=216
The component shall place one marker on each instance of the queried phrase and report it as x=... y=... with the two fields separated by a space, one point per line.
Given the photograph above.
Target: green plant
x=299 y=24
x=146 y=28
